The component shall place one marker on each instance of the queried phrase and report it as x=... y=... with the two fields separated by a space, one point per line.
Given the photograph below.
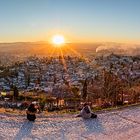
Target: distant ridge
x=42 y=47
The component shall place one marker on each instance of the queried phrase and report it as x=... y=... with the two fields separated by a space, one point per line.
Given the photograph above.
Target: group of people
x=84 y=113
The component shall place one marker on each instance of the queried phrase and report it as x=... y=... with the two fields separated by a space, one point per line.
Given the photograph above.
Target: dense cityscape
x=66 y=76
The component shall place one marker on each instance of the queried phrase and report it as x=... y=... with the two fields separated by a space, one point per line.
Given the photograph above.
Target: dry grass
x=12 y=111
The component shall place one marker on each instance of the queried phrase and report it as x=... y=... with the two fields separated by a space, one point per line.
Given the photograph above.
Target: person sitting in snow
x=31 y=112
x=86 y=112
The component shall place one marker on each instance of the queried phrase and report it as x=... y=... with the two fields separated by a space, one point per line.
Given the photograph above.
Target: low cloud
x=129 y=49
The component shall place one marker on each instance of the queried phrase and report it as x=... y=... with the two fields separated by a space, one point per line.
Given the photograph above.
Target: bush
x=21 y=98
x=106 y=105
x=54 y=108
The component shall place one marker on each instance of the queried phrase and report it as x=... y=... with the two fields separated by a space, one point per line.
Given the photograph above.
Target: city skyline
x=81 y=21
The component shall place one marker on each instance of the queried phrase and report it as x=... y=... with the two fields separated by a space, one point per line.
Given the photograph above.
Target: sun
x=58 y=40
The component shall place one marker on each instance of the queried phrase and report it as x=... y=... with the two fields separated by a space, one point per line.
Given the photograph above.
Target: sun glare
x=58 y=40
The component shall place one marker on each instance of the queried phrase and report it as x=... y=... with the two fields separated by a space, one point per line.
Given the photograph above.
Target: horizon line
x=46 y=42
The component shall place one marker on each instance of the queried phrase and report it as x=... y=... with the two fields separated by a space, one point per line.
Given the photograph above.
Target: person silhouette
x=86 y=112
x=31 y=112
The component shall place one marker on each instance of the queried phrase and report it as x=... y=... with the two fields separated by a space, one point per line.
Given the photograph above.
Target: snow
x=116 y=125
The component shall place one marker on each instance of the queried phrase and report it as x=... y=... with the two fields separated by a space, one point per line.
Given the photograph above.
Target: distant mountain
x=44 y=48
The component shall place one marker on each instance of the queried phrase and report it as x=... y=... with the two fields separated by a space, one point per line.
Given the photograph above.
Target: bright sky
x=78 y=20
